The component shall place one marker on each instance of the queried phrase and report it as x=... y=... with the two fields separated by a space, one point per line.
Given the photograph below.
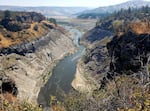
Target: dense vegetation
x=119 y=20
x=114 y=8
x=93 y=15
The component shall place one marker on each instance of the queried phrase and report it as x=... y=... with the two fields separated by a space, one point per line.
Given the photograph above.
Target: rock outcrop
x=7 y=85
x=130 y=54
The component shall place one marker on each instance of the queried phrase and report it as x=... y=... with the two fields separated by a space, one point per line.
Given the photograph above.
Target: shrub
x=53 y=20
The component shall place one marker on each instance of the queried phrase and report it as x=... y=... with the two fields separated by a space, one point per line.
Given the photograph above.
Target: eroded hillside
x=115 y=69
x=30 y=47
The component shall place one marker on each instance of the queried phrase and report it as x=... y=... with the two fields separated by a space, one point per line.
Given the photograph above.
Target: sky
x=85 y=3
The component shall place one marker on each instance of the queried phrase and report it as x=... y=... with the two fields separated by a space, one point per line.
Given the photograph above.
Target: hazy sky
x=88 y=3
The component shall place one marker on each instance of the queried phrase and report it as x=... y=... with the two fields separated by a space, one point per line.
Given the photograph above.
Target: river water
x=63 y=74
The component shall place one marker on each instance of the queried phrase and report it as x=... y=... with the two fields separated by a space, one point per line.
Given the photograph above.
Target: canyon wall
x=29 y=64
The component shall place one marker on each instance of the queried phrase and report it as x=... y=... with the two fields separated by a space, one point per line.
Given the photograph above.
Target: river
x=63 y=74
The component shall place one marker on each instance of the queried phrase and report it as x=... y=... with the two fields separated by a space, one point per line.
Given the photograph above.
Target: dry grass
x=4 y=42
x=9 y=103
x=140 y=27
x=8 y=38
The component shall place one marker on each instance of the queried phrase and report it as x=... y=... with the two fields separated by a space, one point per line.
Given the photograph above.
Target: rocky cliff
x=130 y=45
x=130 y=54
x=116 y=75
x=30 y=71
x=28 y=63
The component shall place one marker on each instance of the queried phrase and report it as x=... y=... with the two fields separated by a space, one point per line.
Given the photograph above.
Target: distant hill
x=47 y=11
x=103 y=11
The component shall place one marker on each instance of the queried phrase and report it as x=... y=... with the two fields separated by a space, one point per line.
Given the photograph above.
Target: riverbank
x=82 y=82
x=62 y=74
x=59 y=84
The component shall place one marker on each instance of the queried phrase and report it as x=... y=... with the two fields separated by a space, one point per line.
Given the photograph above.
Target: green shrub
x=53 y=20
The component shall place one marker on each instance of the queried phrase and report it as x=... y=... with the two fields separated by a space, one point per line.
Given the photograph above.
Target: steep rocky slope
x=115 y=70
x=27 y=60
x=132 y=30
x=130 y=54
x=91 y=69
x=116 y=77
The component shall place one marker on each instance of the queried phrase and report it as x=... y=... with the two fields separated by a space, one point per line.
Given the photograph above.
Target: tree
x=53 y=20
x=7 y=14
x=129 y=10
